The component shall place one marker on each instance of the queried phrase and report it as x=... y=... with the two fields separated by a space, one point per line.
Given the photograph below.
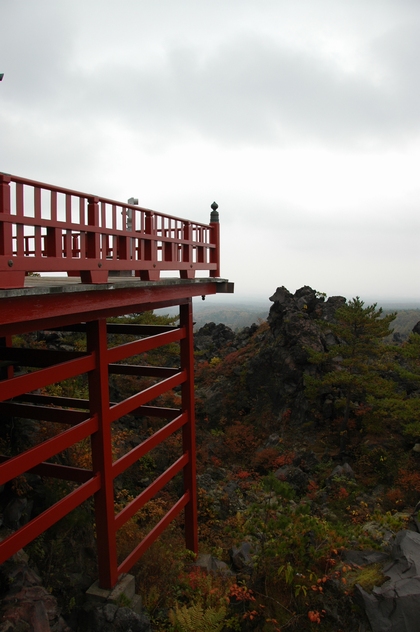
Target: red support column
x=188 y=431
x=102 y=455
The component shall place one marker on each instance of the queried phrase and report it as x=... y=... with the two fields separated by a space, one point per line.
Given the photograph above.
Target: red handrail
x=45 y=228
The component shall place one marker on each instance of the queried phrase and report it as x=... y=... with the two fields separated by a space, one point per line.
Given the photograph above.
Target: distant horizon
x=249 y=299
x=404 y=302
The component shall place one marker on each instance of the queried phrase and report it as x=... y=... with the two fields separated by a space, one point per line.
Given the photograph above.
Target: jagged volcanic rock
x=269 y=370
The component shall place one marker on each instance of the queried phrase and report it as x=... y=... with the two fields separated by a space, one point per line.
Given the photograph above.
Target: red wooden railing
x=26 y=396
x=44 y=228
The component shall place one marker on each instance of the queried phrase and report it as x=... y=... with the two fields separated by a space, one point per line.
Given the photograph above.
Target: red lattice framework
x=24 y=395
x=44 y=228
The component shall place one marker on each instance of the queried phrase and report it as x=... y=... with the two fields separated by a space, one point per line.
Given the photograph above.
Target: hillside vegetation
x=405 y=320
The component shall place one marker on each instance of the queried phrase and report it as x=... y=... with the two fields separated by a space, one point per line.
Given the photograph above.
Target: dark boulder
x=341 y=471
x=211 y=564
x=26 y=605
x=307 y=461
x=111 y=618
x=17 y=513
x=364 y=558
x=241 y=557
x=395 y=606
x=294 y=476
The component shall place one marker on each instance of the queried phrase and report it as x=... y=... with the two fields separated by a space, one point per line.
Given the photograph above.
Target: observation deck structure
x=111 y=256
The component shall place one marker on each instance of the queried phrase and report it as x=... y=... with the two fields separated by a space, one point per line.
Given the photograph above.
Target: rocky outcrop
x=395 y=606
x=271 y=374
x=295 y=327
x=25 y=604
x=111 y=618
x=224 y=495
x=211 y=339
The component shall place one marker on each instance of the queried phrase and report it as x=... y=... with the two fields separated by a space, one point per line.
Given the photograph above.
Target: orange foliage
x=395 y=498
x=342 y=493
x=135 y=529
x=241 y=593
x=362 y=409
x=313 y=487
x=315 y=616
x=240 y=441
x=80 y=455
x=243 y=474
x=213 y=589
x=286 y=458
x=120 y=438
x=265 y=460
x=408 y=480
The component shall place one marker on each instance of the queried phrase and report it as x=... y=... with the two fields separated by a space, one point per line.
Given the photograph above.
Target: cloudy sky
x=300 y=118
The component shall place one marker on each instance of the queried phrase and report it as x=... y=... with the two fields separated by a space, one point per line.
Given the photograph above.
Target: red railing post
x=93 y=246
x=150 y=249
x=215 y=239
x=187 y=253
x=8 y=276
x=188 y=430
x=92 y=238
x=102 y=455
x=54 y=238
x=5 y=227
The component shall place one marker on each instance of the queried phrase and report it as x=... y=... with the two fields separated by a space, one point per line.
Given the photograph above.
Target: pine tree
x=358 y=370
x=409 y=377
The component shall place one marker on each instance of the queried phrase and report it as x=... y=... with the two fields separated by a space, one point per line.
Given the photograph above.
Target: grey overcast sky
x=301 y=118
